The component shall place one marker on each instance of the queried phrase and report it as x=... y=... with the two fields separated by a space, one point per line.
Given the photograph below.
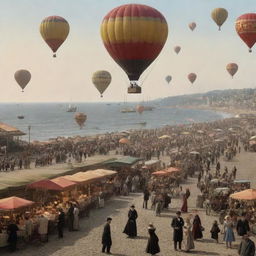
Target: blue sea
x=50 y=120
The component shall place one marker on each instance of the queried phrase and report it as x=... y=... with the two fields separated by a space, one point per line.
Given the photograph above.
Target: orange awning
x=12 y=203
x=248 y=194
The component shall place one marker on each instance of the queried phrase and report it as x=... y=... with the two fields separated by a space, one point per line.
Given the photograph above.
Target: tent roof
x=166 y=171
x=151 y=162
x=128 y=160
x=12 y=203
x=6 y=129
x=56 y=184
x=248 y=194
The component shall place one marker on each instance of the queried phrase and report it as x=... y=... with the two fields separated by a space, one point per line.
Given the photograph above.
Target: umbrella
x=194 y=153
x=253 y=137
x=214 y=181
x=164 y=137
x=12 y=203
x=224 y=190
x=246 y=195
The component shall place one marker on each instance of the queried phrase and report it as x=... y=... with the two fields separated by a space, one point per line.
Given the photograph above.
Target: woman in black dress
x=152 y=246
x=131 y=226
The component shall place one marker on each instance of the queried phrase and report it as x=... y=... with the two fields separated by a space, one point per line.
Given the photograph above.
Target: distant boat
x=71 y=108
x=148 y=108
x=128 y=110
x=20 y=117
x=143 y=123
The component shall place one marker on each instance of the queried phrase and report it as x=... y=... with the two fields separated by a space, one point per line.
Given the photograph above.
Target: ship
x=128 y=110
x=71 y=108
x=20 y=117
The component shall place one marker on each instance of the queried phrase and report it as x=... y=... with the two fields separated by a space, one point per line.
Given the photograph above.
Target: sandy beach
x=87 y=241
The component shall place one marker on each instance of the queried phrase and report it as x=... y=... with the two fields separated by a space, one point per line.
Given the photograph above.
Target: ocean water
x=50 y=120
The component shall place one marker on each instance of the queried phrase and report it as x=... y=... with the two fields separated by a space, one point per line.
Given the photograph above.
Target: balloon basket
x=134 y=90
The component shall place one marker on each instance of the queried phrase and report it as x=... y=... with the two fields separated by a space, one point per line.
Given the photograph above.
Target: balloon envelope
x=192 y=77
x=246 y=28
x=219 y=15
x=168 y=79
x=140 y=109
x=80 y=119
x=177 y=49
x=54 y=30
x=192 y=25
x=22 y=77
x=232 y=68
x=101 y=79
x=134 y=35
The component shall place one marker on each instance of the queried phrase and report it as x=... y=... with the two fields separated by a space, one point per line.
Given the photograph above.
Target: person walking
x=215 y=231
x=131 y=226
x=61 y=222
x=188 y=239
x=229 y=236
x=43 y=228
x=76 y=218
x=106 y=237
x=242 y=226
x=177 y=225
x=70 y=217
x=246 y=247
x=152 y=246
x=197 y=228
x=146 y=198
x=12 y=235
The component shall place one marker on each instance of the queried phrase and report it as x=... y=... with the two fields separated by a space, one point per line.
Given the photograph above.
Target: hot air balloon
x=192 y=77
x=192 y=25
x=232 y=68
x=54 y=30
x=124 y=141
x=168 y=79
x=101 y=79
x=134 y=35
x=140 y=109
x=22 y=77
x=246 y=29
x=177 y=49
x=219 y=15
x=80 y=119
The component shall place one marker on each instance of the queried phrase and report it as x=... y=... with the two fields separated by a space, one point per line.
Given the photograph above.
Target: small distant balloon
x=101 y=79
x=22 y=77
x=192 y=25
x=232 y=68
x=219 y=15
x=80 y=119
x=54 y=30
x=246 y=29
x=140 y=109
x=177 y=49
x=168 y=79
x=192 y=77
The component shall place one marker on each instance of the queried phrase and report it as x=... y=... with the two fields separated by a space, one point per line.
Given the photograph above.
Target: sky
x=67 y=78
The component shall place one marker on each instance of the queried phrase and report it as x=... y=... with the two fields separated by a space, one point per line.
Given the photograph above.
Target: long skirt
x=131 y=228
x=188 y=241
x=184 y=207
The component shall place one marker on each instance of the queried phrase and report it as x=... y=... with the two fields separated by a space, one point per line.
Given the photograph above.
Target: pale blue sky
x=206 y=51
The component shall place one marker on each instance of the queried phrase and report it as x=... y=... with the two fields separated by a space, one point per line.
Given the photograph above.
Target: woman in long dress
x=184 y=207
x=188 y=239
x=76 y=218
x=131 y=226
x=229 y=236
x=197 y=228
x=152 y=246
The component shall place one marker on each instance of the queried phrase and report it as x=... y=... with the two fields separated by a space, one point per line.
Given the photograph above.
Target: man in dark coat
x=61 y=222
x=242 y=226
x=70 y=216
x=106 y=237
x=247 y=247
x=177 y=225
x=12 y=238
x=146 y=198
x=131 y=226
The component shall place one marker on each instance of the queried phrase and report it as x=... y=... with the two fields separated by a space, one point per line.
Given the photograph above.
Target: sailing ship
x=71 y=108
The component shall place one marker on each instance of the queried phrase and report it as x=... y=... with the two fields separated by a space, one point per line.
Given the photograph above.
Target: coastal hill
x=231 y=98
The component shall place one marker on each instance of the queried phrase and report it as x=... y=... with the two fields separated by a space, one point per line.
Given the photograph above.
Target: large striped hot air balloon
x=246 y=29
x=134 y=35
x=101 y=79
x=219 y=15
x=54 y=30
x=22 y=77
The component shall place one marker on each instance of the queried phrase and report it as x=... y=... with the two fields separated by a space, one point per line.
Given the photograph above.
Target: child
x=215 y=231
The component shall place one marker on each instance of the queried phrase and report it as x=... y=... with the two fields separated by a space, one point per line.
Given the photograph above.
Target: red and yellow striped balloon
x=134 y=35
x=54 y=30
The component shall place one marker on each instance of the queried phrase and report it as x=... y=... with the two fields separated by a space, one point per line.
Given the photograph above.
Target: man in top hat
x=177 y=225
x=106 y=237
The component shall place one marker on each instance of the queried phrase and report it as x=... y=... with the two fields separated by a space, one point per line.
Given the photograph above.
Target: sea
x=50 y=120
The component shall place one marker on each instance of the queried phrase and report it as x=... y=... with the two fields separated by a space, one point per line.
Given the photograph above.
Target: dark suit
x=177 y=224
x=242 y=227
x=106 y=238
x=246 y=248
